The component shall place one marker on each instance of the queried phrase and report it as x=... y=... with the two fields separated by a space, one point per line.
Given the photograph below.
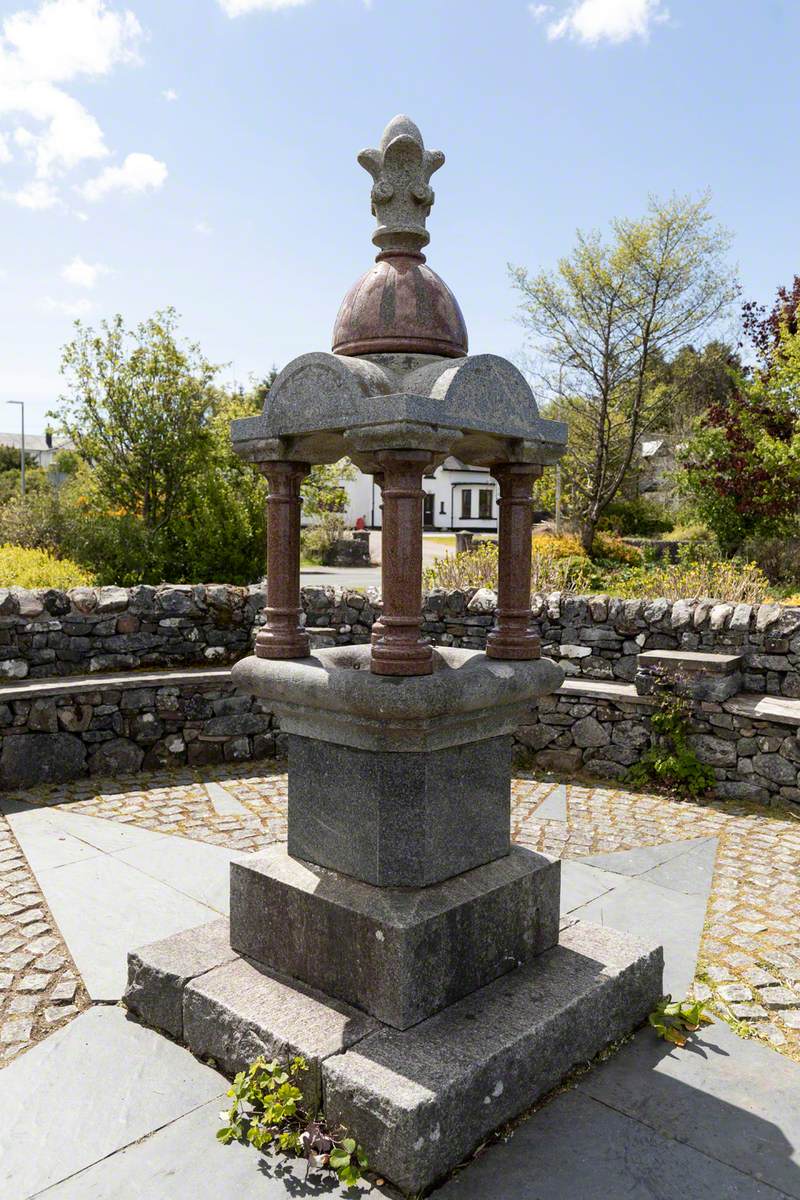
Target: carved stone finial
x=401 y=194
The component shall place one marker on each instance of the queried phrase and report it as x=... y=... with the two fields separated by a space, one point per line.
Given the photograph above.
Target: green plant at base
x=672 y=1020
x=671 y=761
x=267 y=1112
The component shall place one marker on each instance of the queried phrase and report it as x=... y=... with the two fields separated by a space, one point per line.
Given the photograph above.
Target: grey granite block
x=400 y=954
x=399 y=820
x=332 y=695
x=421 y=1100
x=239 y=1012
x=158 y=973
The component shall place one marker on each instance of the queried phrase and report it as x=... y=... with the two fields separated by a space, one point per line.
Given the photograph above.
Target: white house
x=42 y=447
x=457 y=496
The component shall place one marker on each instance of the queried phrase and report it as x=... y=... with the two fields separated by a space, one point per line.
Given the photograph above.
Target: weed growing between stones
x=671 y=761
x=268 y=1113
x=673 y=1020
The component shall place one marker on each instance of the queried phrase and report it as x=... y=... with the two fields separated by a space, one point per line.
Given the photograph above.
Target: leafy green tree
x=9 y=459
x=323 y=489
x=599 y=325
x=137 y=407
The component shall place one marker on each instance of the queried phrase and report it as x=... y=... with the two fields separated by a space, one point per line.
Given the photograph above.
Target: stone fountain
x=399 y=941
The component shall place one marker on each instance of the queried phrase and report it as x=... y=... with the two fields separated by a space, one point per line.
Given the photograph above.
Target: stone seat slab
x=691 y=660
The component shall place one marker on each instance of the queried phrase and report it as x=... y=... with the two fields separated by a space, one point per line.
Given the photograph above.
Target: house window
x=466 y=504
x=485 y=498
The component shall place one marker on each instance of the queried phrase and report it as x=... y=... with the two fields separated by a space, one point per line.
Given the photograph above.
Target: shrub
x=551 y=570
x=27 y=568
x=778 y=558
x=731 y=580
x=316 y=539
x=639 y=518
x=608 y=548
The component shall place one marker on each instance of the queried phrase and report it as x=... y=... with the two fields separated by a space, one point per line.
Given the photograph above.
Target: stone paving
x=40 y=988
x=749 y=962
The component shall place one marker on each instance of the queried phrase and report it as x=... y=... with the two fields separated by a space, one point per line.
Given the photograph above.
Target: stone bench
x=56 y=730
x=701 y=676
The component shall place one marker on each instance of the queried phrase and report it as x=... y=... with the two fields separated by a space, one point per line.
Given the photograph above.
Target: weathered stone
x=589 y=732
x=398 y=819
x=567 y=761
x=120 y=755
x=423 y=1099
x=399 y=954
x=238 y=1012
x=111 y=599
x=775 y=768
x=13 y=668
x=713 y=750
x=158 y=973
x=43 y=717
x=34 y=758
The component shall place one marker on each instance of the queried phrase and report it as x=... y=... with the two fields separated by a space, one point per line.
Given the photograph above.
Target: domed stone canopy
x=400 y=306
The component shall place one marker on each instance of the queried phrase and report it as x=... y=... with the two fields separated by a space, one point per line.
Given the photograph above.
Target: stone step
x=421 y=1100
x=702 y=676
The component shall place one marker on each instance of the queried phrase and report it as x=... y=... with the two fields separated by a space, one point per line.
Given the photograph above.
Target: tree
x=766 y=329
x=10 y=459
x=323 y=490
x=604 y=319
x=692 y=382
x=742 y=466
x=137 y=409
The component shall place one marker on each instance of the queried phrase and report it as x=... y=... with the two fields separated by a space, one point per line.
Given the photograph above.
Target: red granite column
x=399 y=650
x=377 y=627
x=512 y=638
x=282 y=636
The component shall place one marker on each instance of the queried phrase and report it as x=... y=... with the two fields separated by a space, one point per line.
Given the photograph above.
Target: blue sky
x=201 y=153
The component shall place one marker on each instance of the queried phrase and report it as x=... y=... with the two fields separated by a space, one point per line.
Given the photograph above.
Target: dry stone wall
x=114 y=720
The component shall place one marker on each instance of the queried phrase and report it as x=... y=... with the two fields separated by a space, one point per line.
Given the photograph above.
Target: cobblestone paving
x=749 y=962
x=40 y=988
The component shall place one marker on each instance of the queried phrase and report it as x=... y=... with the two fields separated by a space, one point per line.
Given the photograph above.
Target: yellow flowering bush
x=26 y=568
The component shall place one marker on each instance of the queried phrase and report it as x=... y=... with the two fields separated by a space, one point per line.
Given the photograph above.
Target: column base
x=268 y=645
x=419 y=1101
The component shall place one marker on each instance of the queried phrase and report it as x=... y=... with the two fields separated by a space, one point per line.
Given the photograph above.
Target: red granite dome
x=400 y=306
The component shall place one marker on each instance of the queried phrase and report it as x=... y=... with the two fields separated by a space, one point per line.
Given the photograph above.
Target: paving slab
x=734 y=1099
x=655 y=915
x=643 y=858
x=104 y=907
x=554 y=807
x=581 y=883
x=208 y=1170
x=690 y=873
x=98 y=1084
x=579 y=1149
x=196 y=869
x=223 y=803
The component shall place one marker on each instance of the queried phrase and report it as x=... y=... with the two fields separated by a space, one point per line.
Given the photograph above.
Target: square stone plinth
x=421 y=1100
x=399 y=820
x=400 y=954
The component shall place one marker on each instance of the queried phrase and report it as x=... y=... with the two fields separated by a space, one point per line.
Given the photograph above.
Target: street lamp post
x=21 y=404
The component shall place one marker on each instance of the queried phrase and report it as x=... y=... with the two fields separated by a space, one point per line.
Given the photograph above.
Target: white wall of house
x=458 y=497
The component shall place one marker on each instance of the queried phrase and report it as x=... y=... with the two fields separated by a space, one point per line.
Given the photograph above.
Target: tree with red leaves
x=741 y=468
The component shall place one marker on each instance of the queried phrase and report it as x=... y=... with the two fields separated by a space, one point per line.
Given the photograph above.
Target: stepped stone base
x=419 y=1100
x=400 y=954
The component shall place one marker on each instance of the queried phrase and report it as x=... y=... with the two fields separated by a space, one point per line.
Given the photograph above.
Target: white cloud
x=203 y=228
x=237 y=8
x=5 y=152
x=540 y=11
x=594 y=21
x=138 y=173
x=36 y=195
x=170 y=94
x=44 y=49
x=83 y=274
x=68 y=308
